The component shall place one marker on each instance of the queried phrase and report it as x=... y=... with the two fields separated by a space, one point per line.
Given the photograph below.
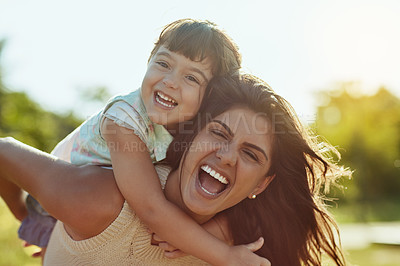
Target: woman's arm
x=85 y=198
x=13 y=196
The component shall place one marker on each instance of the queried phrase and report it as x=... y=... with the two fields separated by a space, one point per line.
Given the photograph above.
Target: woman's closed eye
x=251 y=155
x=219 y=134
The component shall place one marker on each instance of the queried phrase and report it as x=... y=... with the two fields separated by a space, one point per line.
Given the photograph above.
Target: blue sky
x=56 y=48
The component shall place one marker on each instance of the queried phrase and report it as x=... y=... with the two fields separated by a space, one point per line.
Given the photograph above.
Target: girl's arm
x=139 y=184
x=70 y=193
x=217 y=226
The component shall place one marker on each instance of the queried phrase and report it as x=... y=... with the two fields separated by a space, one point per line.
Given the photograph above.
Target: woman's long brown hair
x=290 y=214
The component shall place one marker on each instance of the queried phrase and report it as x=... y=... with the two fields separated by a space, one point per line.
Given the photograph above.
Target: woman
x=290 y=214
x=251 y=140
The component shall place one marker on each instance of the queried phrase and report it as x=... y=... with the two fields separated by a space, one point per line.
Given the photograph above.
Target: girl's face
x=227 y=162
x=173 y=87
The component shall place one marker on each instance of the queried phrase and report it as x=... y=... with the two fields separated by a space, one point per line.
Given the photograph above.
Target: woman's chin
x=200 y=201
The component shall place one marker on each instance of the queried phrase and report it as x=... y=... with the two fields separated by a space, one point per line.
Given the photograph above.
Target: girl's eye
x=193 y=79
x=251 y=155
x=163 y=64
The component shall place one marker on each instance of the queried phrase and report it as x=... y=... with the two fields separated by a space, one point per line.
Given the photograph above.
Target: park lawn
x=375 y=255
x=11 y=251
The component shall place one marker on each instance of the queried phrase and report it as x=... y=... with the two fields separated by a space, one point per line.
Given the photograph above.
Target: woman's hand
x=39 y=253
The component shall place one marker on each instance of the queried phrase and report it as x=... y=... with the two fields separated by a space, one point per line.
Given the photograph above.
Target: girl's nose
x=171 y=81
x=227 y=154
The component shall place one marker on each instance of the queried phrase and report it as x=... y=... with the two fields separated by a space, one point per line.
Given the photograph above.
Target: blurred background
x=336 y=62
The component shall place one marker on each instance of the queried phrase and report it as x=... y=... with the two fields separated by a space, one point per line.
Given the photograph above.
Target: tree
x=366 y=130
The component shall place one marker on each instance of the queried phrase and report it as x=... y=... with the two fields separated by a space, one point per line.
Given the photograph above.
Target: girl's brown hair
x=290 y=214
x=197 y=40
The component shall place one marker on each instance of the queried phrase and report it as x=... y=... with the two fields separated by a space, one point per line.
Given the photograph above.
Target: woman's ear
x=261 y=186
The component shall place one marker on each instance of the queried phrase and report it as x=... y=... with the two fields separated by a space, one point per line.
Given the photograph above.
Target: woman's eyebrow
x=225 y=126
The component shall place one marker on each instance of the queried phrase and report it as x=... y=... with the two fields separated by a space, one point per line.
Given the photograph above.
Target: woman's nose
x=226 y=153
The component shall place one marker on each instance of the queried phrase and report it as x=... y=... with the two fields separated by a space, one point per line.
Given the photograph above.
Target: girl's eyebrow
x=246 y=143
x=164 y=54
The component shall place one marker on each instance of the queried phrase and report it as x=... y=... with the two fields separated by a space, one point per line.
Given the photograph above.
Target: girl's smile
x=164 y=100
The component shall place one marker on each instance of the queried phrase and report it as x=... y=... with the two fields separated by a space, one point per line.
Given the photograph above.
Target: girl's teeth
x=165 y=97
x=164 y=104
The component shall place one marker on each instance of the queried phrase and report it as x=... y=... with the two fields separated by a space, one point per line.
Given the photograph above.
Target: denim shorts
x=36 y=228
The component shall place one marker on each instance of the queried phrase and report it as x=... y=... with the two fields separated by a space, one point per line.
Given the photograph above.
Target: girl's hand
x=243 y=255
x=170 y=251
x=239 y=255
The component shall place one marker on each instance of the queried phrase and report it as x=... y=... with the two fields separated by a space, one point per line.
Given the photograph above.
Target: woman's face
x=227 y=162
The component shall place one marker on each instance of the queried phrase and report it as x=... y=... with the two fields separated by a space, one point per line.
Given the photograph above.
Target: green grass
x=379 y=211
x=11 y=251
x=375 y=255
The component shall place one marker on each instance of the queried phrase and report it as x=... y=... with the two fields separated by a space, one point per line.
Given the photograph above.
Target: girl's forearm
x=173 y=225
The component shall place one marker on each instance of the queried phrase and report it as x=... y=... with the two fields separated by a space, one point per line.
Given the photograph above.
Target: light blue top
x=127 y=111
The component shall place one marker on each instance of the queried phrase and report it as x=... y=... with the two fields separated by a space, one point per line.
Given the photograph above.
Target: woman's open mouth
x=211 y=182
x=164 y=100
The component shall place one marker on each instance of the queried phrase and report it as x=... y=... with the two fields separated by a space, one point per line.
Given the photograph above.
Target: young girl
x=133 y=131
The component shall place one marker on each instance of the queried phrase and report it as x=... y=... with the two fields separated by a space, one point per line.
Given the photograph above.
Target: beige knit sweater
x=125 y=242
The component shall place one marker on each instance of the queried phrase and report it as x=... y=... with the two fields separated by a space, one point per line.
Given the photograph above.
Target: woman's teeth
x=214 y=174
x=208 y=192
x=165 y=99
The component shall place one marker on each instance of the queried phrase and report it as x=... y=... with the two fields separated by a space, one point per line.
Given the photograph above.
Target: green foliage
x=25 y=120
x=96 y=94
x=366 y=130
